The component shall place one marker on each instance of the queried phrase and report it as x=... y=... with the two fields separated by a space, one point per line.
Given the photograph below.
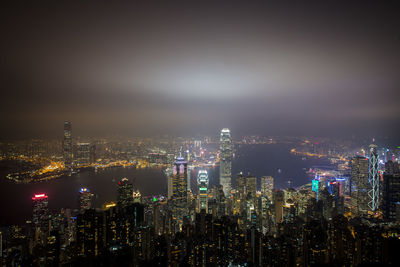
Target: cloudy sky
x=181 y=68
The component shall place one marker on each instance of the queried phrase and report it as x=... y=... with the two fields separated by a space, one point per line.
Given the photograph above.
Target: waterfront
x=275 y=160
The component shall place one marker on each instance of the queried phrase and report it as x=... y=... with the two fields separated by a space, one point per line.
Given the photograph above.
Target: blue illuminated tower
x=373 y=178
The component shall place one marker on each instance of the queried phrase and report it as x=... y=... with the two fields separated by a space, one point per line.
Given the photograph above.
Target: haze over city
x=186 y=68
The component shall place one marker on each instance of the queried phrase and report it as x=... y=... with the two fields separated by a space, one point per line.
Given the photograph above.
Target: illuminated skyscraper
x=373 y=178
x=125 y=192
x=67 y=145
x=202 y=181
x=225 y=169
x=359 y=185
x=391 y=190
x=41 y=212
x=179 y=190
x=85 y=199
x=246 y=185
x=267 y=186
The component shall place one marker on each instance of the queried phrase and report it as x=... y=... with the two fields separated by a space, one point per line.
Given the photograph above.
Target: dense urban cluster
x=348 y=216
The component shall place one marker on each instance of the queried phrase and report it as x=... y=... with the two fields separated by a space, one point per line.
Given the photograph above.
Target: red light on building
x=39 y=196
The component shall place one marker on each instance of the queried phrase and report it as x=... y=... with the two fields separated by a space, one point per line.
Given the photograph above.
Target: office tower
x=202 y=181
x=67 y=145
x=391 y=191
x=85 y=199
x=179 y=191
x=267 y=186
x=82 y=154
x=246 y=185
x=225 y=161
x=241 y=185
x=125 y=192
x=251 y=186
x=220 y=201
x=41 y=218
x=170 y=178
x=278 y=202
x=359 y=185
x=373 y=178
x=90 y=233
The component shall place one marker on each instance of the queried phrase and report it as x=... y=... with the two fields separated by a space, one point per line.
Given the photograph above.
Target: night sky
x=185 y=68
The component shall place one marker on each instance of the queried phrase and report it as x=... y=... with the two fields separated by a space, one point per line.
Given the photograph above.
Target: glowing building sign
x=39 y=196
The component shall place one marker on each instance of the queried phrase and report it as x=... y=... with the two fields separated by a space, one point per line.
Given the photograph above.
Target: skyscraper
x=225 y=168
x=85 y=199
x=125 y=192
x=202 y=181
x=373 y=178
x=67 y=145
x=246 y=185
x=359 y=185
x=278 y=201
x=179 y=190
x=267 y=186
x=391 y=190
x=41 y=212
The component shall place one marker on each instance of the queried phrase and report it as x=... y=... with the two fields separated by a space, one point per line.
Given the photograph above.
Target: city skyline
x=228 y=133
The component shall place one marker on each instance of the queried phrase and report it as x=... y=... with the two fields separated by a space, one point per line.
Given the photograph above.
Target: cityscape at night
x=226 y=133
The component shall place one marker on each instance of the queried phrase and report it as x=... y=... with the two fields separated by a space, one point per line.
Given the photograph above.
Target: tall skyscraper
x=225 y=169
x=391 y=190
x=202 y=181
x=267 y=186
x=170 y=178
x=67 y=145
x=373 y=178
x=359 y=185
x=246 y=185
x=179 y=190
x=278 y=202
x=41 y=212
x=85 y=199
x=125 y=192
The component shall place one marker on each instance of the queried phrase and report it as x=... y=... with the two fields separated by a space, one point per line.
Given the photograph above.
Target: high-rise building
x=179 y=190
x=67 y=145
x=246 y=185
x=82 y=154
x=251 y=186
x=373 y=178
x=170 y=178
x=202 y=181
x=125 y=192
x=267 y=186
x=225 y=169
x=391 y=191
x=85 y=199
x=41 y=212
x=90 y=233
x=278 y=202
x=359 y=185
